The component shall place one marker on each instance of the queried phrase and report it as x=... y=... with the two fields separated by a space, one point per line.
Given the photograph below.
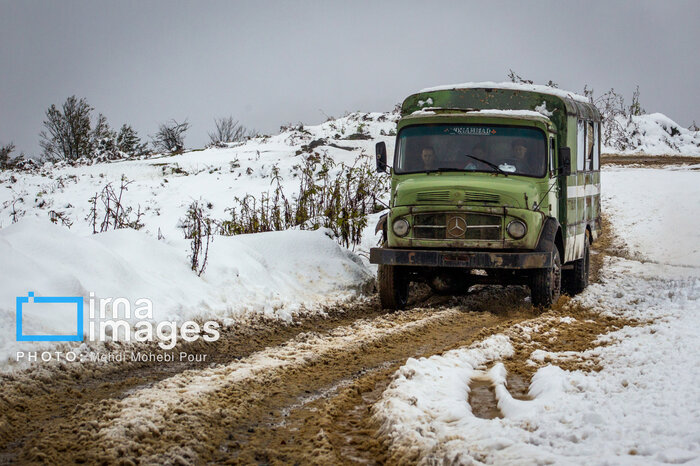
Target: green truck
x=491 y=183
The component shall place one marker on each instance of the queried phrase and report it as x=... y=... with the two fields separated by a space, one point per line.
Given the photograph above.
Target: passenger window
x=596 y=147
x=580 y=145
x=589 y=145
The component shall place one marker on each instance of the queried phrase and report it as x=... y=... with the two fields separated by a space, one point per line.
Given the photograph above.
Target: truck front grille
x=457 y=226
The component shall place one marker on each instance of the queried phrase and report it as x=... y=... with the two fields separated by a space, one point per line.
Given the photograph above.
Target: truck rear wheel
x=393 y=286
x=545 y=284
x=576 y=280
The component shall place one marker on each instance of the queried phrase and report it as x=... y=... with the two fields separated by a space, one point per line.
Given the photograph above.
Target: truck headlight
x=401 y=227
x=516 y=229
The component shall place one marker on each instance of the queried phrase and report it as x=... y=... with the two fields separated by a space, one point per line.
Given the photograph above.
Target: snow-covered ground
x=643 y=406
x=278 y=275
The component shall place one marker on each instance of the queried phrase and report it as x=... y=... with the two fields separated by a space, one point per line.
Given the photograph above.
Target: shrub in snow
x=227 y=130
x=170 y=137
x=60 y=217
x=198 y=227
x=6 y=161
x=108 y=210
x=336 y=197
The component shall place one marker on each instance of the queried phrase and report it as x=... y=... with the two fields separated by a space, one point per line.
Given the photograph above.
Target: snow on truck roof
x=512 y=86
x=489 y=112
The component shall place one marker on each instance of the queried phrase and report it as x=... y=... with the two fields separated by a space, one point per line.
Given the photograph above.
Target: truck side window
x=580 y=145
x=596 y=146
x=590 y=144
x=552 y=155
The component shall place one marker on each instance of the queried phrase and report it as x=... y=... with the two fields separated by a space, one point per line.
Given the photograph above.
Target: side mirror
x=381 y=156
x=565 y=161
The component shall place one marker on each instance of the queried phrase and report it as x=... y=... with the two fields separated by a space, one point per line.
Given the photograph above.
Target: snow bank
x=642 y=407
x=654 y=134
x=273 y=274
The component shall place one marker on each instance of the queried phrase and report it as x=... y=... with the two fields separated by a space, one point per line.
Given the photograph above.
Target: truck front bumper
x=464 y=259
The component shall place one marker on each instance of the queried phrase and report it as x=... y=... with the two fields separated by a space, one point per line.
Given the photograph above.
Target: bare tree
x=227 y=130
x=635 y=109
x=67 y=134
x=170 y=137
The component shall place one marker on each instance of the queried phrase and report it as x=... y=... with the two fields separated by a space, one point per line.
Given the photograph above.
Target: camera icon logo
x=60 y=311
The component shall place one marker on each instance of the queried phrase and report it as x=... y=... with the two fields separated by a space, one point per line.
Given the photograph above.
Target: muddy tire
x=545 y=284
x=393 y=287
x=576 y=280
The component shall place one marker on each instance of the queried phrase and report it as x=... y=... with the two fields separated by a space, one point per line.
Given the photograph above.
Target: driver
x=428 y=158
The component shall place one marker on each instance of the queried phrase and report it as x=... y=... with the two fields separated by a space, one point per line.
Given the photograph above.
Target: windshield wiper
x=486 y=162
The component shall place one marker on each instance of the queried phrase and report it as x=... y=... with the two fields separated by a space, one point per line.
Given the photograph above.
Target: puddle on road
x=482 y=396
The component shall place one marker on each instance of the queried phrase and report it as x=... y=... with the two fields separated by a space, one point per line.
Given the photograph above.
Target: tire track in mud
x=275 y=393
x=34 y=401
x=78 y=430
x=335 y=425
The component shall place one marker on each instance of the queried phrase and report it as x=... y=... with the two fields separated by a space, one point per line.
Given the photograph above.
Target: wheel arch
x=551 y=234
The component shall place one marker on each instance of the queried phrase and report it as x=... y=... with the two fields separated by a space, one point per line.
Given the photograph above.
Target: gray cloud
x=269 y=63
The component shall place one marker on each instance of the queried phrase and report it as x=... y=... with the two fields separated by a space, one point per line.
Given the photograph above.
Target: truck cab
x=491 y=184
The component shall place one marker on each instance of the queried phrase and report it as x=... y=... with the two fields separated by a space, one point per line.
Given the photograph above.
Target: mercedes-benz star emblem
x=456 y=227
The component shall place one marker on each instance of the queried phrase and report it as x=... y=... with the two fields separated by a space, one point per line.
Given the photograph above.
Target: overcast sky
x=273 y=62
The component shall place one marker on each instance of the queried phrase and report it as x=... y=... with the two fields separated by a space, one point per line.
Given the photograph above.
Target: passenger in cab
x=428 y=158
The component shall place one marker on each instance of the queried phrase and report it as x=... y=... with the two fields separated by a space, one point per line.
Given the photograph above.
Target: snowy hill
x=277 y=274
x=652 y=134
x=164 y=186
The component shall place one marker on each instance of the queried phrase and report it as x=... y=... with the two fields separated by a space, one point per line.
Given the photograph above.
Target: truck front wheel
x=393 y=286
x=545 y=284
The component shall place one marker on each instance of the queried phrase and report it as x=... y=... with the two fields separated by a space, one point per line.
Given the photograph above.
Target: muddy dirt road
x=269 y=393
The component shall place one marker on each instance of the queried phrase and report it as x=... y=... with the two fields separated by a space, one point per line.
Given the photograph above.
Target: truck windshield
x=483 y=148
